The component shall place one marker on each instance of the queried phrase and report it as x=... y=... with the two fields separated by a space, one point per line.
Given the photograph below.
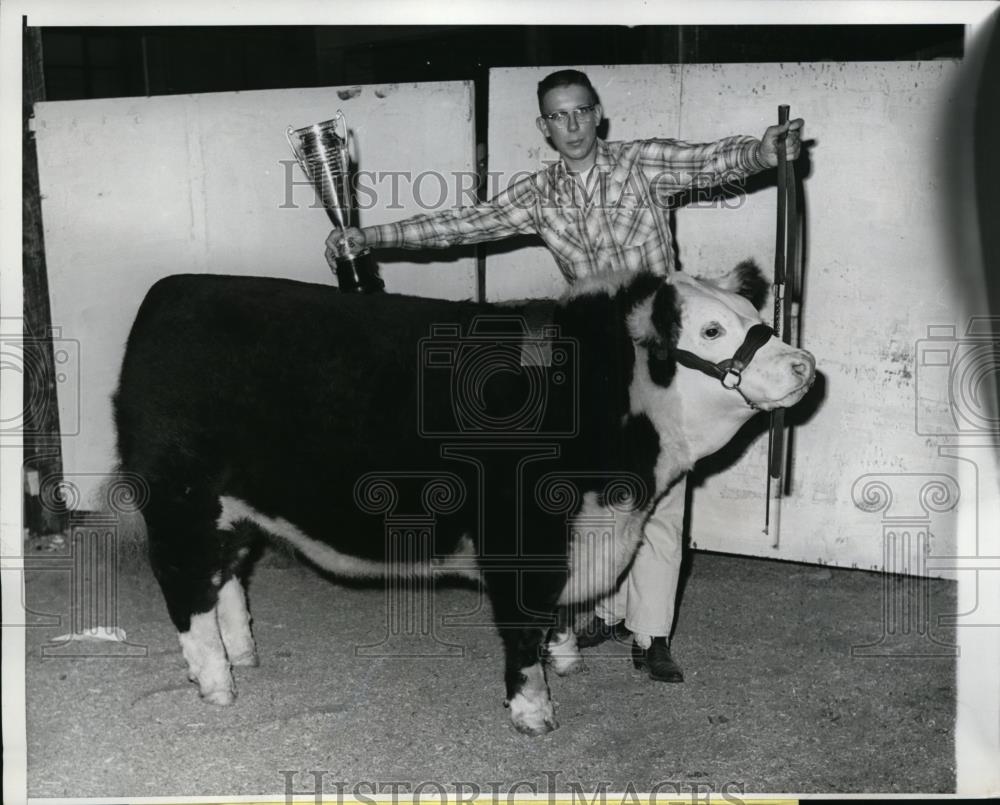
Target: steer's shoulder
x=602 y=284
x=628 y=286
x=606 y=301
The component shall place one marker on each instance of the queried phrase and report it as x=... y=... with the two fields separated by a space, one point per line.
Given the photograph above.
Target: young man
x=602 y=207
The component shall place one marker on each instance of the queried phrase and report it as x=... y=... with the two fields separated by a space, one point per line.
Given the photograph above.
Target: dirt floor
x=774 y=700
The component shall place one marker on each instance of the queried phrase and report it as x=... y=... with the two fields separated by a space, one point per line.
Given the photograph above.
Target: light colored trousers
x=645 y=600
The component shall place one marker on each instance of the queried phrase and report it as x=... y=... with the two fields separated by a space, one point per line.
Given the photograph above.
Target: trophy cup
x=322 y=153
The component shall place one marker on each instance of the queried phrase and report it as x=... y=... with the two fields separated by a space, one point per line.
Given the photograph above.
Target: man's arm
x=508 y=213
x=679 y=165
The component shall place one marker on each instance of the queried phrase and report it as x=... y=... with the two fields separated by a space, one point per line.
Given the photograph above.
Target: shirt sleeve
x=677 y=165
x=510 y=212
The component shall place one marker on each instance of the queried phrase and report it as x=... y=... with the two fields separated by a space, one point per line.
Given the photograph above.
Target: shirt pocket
x=624 y=258
x=626 y=212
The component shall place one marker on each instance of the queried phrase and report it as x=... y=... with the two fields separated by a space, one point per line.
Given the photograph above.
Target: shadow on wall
x=970 y=207
x=425 y=256
x=986 y=135
x=756 y=428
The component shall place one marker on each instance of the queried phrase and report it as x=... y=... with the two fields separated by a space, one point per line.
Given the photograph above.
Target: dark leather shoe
x=597 y=631
x=657 y=660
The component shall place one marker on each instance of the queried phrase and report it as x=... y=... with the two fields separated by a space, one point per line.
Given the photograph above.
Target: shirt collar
x=602 y=161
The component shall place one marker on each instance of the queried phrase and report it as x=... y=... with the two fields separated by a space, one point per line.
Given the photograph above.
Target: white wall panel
x=135 y=189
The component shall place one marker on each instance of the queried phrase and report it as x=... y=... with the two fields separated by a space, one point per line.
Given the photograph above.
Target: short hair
x=565 y=78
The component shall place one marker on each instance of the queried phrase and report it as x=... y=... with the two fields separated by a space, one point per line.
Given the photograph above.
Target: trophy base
x=359 y=273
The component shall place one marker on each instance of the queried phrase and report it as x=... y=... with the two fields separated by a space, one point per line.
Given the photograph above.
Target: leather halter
x=730 y=371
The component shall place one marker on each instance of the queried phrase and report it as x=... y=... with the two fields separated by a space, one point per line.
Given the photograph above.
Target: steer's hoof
x=567 y=666
x=248 y=659
x=531 y=717
x=534 y=727
x=223 y=697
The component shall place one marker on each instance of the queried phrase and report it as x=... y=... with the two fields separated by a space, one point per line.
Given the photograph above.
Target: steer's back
x=275 y=392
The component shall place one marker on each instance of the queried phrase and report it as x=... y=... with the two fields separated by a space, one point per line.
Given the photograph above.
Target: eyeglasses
x=561 y=118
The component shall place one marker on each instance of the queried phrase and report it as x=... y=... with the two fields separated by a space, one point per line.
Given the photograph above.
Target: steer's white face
x=714 y=322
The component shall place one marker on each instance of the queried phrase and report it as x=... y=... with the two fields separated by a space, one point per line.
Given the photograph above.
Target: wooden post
x=42 y=448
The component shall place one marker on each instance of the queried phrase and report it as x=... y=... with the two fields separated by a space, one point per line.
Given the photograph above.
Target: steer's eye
x=712 y=331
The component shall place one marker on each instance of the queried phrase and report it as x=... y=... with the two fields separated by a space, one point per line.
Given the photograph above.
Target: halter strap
x=730 y=371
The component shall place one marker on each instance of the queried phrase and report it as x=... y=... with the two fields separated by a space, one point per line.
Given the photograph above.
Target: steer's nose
x=803 y=366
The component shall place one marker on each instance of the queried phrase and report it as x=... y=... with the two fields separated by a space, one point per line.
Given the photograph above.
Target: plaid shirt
x=619 y=221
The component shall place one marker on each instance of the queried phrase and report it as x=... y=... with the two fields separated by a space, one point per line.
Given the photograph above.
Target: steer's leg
x=523 y=613
x=234 y=624
x=531 y=709
x=564 y=656
x=192 y=561
x=206 y=658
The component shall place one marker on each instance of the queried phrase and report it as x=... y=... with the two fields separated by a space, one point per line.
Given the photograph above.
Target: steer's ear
x=652 y=314
x=665 y=316
x=746 y=280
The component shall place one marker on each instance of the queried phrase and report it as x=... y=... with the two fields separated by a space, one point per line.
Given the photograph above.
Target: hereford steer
x=256 y=406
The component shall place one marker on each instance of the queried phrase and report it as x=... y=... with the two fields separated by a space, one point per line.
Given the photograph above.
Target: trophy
x=322 y=153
